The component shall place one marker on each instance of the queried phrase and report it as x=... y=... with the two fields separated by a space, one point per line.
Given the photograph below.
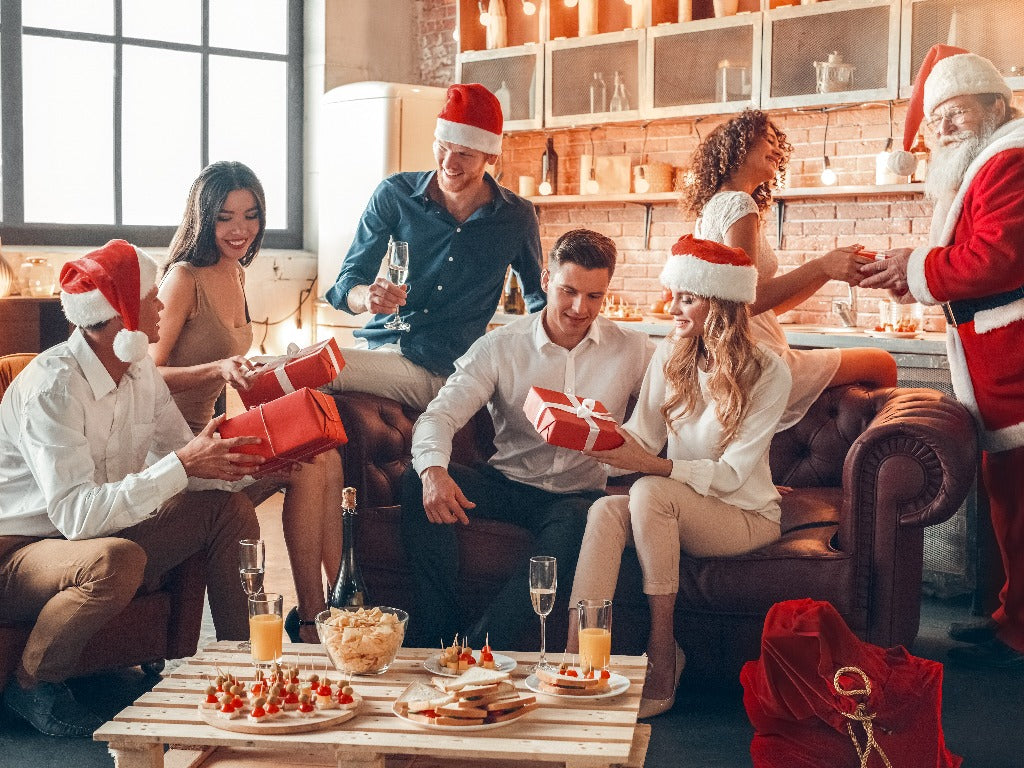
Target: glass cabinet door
x=835 y=52
x=595 y=79
x=990 y=28
x=703 y=67
x=514 y=75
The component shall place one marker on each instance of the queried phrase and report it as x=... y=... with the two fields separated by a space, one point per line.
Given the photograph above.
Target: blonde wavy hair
x=736 y=365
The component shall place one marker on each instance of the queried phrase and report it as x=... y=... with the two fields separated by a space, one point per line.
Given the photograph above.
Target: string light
x=529 y=8
x=640 y=184
x=571 y=3
x=485 y=17
x=593 y=187
x=828 y=176
x=545 y=184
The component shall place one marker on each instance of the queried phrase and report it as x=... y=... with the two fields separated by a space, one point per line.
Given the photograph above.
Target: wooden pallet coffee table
x=583 y=734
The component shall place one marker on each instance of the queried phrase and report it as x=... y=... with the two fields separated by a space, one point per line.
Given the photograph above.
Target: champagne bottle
x=512 y=300
x=549 y=169
x=923 y=155
x=349 y=589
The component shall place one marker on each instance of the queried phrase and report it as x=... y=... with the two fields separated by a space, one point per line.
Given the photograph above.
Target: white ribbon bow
x=280 y=365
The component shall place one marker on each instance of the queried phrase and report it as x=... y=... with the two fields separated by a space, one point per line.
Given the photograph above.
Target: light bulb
x=485 y=18
x=529 y=8
x=640 y=183
x=571 y=3
x=828 y=176
x=455 y=34
x=544 y=188
x=592 y=186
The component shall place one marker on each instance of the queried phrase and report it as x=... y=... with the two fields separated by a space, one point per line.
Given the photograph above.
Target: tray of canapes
x=279 y=702
x=566 y=681
x=458 y=657
x=478 y=699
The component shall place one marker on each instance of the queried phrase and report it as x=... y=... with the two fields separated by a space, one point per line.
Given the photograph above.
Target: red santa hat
x=471 y=116
x=946 y=72
x=710 y=269
x=109 y=283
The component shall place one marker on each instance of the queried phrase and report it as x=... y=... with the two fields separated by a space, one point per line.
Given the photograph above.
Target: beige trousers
x=71 y=589
x=661 y=517
x=385 y=371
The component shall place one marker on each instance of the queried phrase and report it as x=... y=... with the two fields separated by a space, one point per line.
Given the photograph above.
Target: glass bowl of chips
x=362 y=641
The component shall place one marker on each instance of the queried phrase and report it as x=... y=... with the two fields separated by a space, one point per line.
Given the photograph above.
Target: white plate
x=433 y=664
x=893 y=334
x=617 y=684
x=460 y=728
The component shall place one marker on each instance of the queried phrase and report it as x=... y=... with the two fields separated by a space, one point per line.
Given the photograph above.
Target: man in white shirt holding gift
x=565 y=347
x=94 y=459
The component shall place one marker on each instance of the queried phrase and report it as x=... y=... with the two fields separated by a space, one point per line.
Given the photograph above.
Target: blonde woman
x=712 y=399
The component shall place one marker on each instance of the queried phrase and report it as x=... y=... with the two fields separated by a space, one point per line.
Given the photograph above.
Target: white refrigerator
x=370 y=130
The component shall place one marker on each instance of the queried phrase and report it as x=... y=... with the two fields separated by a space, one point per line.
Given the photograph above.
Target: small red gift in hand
x=569 y=421
x=310 y=367
x=292 y=428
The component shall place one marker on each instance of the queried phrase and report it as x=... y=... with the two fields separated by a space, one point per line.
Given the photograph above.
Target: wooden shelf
x=644 y=199
x=877 y=190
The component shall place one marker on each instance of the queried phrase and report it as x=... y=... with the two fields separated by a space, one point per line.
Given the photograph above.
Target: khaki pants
x=661 y=517
x=73 y=588
x=386 y=372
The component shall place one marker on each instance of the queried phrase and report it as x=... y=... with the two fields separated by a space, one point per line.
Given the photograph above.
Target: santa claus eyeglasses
x=955 y=115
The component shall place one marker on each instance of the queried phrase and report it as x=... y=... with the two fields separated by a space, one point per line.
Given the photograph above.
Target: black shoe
x=994 y=654
x=980 y=631
x=51 y=709
x=293 y=625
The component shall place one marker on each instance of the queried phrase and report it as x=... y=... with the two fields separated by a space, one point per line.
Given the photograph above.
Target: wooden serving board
x=290 y=723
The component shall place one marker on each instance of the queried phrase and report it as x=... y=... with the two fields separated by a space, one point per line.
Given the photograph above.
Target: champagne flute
x=543 y=583
x=252 y=562
x=398 y=272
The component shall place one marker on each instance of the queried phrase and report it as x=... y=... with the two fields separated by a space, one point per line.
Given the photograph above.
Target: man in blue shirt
x=463 y=230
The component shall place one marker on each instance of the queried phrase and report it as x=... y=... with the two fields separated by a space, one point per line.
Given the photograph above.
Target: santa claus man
x=974 y=267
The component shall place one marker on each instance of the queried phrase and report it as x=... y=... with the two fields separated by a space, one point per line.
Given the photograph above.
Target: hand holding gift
x=310 y=367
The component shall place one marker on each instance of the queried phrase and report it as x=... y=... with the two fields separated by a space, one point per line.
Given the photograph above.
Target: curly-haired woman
x=736 y=168
x=711 y=401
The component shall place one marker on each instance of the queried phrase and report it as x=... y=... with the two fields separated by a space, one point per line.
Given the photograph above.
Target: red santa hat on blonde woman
x=109 y=283
x=471 y=117
x=946 y=72
x=710 y=269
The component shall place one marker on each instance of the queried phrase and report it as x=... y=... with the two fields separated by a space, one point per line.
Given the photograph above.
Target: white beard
x=949 y=162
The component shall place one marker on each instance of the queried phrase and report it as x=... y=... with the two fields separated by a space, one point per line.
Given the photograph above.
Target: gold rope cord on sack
x=860 y=715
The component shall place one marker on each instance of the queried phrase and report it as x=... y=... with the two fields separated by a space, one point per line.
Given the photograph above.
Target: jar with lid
x=36 y=277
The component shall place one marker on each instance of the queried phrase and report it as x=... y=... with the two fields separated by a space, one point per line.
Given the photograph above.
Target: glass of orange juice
x=266 y=628
x=595 y=617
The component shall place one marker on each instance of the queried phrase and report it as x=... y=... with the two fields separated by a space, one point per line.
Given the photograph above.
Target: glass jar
x=36 y=277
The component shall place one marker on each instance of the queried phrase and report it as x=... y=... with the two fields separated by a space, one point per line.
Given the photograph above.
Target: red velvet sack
x=310 y=367
x=569 y=421
x=293 y=428
x=803 y=712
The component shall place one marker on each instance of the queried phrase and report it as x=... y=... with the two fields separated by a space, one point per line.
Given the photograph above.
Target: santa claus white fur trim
x=965 y=74
x=470 y=136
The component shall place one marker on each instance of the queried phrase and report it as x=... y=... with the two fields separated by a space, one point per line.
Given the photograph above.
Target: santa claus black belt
x=960 y=312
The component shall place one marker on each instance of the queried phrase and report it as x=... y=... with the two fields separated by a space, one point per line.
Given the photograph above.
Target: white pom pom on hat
x=946 y=72
x=471 y=117
x=107 y=283
x=710 y=269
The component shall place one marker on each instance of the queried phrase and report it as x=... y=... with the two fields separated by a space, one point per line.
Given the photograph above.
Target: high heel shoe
x=293 y=625
x=655 y=707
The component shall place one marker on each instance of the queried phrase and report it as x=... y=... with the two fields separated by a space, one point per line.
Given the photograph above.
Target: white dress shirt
x=739 y=475
x=498 y=371
x=82 y=457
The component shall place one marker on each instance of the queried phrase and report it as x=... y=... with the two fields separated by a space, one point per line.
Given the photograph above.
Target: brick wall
x=811 y=226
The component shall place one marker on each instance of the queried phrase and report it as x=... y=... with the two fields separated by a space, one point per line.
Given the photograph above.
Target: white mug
x=527 y=186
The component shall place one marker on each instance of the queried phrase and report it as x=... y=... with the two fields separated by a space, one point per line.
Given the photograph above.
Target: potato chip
x=362 y=641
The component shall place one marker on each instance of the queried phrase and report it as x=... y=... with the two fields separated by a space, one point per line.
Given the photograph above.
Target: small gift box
x=310 y=367
x=295 y=427
x=571 y=422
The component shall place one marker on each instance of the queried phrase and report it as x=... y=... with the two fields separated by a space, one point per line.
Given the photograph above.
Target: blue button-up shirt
x=456 y=269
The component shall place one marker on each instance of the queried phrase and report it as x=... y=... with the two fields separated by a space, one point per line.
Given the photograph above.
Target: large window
x=111 y=107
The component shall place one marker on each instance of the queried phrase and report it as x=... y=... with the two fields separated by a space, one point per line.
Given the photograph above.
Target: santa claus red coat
x=976 y=262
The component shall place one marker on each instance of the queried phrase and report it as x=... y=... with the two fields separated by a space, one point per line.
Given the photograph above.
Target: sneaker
x=994 y=654
x=973 y=631
x=51 y=709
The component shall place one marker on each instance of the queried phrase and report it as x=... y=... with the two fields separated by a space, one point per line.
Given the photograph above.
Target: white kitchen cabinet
x=515 y=75
x=864 y=33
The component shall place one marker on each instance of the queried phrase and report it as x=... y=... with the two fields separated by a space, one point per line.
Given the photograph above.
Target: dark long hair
x=195 y=241
x=724 y=150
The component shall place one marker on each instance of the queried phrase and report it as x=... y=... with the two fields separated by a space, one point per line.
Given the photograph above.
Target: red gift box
x=310 y=367
x=569 y=421
x=292 y=428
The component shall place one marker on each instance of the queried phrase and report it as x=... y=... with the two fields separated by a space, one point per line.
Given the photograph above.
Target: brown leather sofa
x=155 y=626
x=868 y=468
